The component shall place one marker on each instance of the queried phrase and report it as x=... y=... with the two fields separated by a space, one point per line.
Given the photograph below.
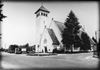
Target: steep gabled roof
x=42 y=8
x=60 y=25
x=80 y=36
x=53 y=37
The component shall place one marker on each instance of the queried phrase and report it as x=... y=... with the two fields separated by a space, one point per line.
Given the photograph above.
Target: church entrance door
x=45 y=46
x=45 y=49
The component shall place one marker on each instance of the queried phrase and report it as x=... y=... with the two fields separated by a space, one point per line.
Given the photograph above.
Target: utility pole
x=96 y=35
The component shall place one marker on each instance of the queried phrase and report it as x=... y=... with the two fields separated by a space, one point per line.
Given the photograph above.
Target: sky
x=18 y=27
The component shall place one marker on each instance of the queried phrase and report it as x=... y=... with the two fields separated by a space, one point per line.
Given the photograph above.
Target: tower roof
x=42 y=8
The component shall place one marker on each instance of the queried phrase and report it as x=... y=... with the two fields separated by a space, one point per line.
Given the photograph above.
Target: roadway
x=18 y=61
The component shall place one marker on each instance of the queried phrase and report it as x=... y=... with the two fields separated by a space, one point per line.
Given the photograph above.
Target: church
x=48 y=34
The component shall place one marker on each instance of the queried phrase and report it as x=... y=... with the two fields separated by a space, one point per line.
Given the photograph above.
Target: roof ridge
x=58 y=21
x=43 y=9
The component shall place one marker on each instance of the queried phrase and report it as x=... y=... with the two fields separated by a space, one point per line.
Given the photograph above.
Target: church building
x=48 y=34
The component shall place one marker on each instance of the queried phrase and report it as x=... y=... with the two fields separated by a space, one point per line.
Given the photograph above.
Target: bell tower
x=41 y=22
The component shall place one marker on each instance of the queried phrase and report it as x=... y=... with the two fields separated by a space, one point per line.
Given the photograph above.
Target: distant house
x=24 y=48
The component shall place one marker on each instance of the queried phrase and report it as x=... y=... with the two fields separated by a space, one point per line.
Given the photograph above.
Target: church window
x=41 y=13
x=46 y=14
x=45 y=41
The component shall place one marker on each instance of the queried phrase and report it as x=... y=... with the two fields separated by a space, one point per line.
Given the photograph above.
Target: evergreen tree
x=71 y=29
x=86 y=45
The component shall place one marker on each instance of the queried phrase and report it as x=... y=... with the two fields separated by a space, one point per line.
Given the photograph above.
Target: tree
x=86 y=45
x=1 y=15
x=71 y=29
x=12 y=48
x=77 y=42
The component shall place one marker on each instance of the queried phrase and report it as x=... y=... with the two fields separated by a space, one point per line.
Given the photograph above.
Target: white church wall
x=37 y=30
x=48 y=44
x=40 y=25
x=42 y=43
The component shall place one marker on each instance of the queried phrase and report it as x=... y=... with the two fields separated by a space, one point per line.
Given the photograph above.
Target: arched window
x=46 y=15
x=45 y=41
x=41 y=13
